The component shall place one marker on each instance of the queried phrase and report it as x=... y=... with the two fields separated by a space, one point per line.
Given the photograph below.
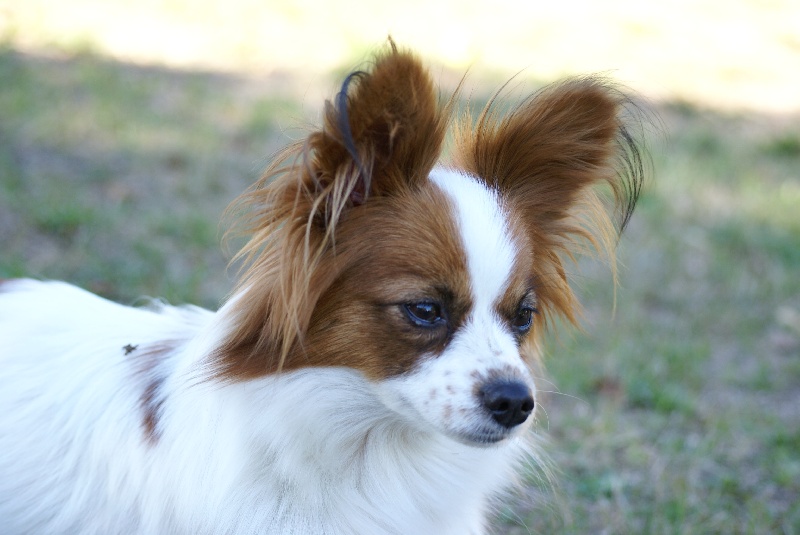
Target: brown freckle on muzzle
x=448 y=413
x=504 y=373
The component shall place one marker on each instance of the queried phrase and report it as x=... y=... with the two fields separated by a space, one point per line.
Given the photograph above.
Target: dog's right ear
x=382 y=134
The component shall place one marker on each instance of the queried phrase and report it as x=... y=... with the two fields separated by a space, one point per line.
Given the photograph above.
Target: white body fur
x=315 y=451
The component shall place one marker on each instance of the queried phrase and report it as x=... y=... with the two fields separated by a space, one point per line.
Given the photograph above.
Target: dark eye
x=425 y=314
x=524 y=319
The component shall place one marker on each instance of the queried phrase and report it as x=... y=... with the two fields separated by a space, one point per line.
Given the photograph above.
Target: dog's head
x=433 y=279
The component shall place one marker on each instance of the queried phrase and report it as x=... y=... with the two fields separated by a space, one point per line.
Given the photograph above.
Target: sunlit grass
x=725 y=54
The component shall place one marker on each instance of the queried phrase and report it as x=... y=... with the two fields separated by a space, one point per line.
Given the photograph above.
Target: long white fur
x=316 y=451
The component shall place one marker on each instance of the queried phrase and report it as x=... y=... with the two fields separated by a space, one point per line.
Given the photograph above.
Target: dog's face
x=438 y=307
x=475 y=386
x=434 y=281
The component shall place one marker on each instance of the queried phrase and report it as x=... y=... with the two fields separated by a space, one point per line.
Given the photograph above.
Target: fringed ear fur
x=381 y=135
x=546 y=157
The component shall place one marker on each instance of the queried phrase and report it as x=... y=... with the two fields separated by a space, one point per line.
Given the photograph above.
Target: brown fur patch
x=397 y=251
x=545 y=157
x=521 y=286
x=390 y=252
x=380 y=139
x=346 y=228
x=146 y=362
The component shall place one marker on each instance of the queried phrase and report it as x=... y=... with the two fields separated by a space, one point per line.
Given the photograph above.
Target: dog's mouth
x=484 y=437
x=478 y=431
x=483 y=431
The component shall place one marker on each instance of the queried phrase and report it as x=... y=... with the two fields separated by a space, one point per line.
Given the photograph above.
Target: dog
x=373 y=370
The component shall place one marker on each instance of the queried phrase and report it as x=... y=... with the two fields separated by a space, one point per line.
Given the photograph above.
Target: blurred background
x=127 y=127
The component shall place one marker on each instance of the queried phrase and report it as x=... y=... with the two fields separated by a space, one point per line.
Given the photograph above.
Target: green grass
x=686 y=421
x=679 y=411
x=115 y=177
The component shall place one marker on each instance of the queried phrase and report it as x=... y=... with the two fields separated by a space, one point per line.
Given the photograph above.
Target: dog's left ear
x=550 y=151
x=545 y=158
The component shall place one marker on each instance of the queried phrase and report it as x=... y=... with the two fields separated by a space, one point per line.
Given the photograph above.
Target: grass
x=679 y=411
x=685 y=395
x=115 y=177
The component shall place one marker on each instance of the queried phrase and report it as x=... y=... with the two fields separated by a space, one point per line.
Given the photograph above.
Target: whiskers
x=556 y=391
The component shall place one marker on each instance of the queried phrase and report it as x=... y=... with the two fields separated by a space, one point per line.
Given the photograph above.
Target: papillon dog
x=373 y=370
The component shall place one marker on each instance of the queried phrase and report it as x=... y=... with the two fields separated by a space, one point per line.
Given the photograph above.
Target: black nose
x=509 y=402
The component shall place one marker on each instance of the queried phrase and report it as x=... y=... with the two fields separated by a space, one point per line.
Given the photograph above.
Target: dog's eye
x=524 y=319
x=425 y=314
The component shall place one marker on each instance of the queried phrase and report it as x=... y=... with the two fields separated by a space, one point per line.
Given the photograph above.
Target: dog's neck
x=319 y=443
